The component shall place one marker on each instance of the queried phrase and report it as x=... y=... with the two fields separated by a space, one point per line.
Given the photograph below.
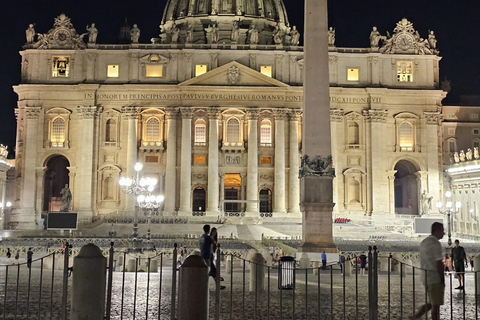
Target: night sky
x=455 y=23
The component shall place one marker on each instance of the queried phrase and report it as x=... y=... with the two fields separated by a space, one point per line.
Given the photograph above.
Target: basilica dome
x=189 y=21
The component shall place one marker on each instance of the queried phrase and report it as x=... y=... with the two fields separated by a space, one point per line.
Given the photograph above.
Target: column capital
x=32 y=112
x=171 y=113
x=243 y=175
x=375 y=115
x=433 y=117
x=280 y=114
x=336 y=115
x=130 y=112
x=295 y=115
x=187 y=113
x=221 y=174
x=89 y=112
x=214 y=113
x=252 y=114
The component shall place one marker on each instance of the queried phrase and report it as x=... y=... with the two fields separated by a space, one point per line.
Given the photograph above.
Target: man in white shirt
x=431 y=259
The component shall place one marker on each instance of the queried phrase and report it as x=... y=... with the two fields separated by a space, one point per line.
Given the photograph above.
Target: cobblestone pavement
x=301 y=303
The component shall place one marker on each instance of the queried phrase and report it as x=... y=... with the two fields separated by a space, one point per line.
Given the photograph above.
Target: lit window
x=200 y=159
x=265 y=132
x=57 y=137
x=405 y=71
x=151 y=159
x=111 y=130
x=112 y=71
x=152 y=131
x=265 y=160
x=266 y=70
x=200 y=69
x=154 y=71
x=352 y=74
x=405 y=133
x=60 y=67
x=233 y=130
x=200 y=132
x=154 y=59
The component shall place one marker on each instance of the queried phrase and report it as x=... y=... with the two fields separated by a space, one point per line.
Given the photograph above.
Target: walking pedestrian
x=459 y=257
x=471 y=263
x=324 y=260
x=17 y=256
x=431 y=260
x=213 y=267
x=9 y=254
x=29 y=258
x=341 y=262
x=363 y=263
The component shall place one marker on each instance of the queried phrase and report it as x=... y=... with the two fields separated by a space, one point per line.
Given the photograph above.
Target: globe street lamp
x=151 y=204
x=448 y=210
x=137 y=186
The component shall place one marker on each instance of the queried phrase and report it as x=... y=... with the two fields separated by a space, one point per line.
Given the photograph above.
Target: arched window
x=405 y=136
x=152 y=130
x=57 y=136
x=108 y=189
x=353 y=133
x=111 y=130
x=233 y=130
x=200 y=132
x=265 y=133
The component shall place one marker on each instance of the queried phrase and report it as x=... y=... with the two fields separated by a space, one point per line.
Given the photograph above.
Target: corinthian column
x=279 y=186
x=186 y=161
x=171 y=166
x=294 y=185
x=86 y=168
x=213 y=200
x=252 y=164
x=131 y=115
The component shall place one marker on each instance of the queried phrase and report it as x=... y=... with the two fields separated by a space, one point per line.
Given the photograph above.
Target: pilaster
x=294 y=181
x=279 y=183
x=171 y=166
x=130 y=114
x=252 y=164
x=186 y=162
x=213 y=186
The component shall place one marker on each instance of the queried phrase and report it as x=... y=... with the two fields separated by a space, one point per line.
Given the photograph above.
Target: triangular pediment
x=234 y=74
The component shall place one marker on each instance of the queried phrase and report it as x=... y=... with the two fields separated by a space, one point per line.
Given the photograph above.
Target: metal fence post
x=370 y=284
x=217 y=284
x=375 y=283
x=66 y=255
x=174 y=282
x=109 y=282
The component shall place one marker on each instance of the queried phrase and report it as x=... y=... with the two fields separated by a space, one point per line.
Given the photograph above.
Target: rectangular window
x=112 y=71
x=200 y=69
x=266 y=71
x=61 y=67
x=474 y=116
x=475 y=131
x=154 y=71
x=265 y=160
x=201 y=134
x=452 y=146
x=151 y=159
x=352 y=74
x=200 y=159
x=404 y=71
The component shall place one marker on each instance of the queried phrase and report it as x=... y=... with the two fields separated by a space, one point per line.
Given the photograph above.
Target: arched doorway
x=406 y=188
x=265 y=201
x=232 y=184
x=199 y=200
x=55 y=178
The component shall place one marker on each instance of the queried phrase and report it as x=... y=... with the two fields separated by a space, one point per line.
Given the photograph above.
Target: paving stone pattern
x=236 y=302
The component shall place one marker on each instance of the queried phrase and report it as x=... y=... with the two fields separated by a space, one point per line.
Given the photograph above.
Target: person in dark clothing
x=29 y=258
x=324 y=260
x=459 y=259
x=206 y=243
x=363 y=263
x=9 y=254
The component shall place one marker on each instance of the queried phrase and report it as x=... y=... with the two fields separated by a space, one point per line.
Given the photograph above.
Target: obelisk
x=316 y=181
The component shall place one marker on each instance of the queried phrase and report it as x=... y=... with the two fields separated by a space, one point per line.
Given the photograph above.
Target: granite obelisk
x=316 y=171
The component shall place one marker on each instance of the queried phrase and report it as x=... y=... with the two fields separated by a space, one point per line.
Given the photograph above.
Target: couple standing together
x=208 y=246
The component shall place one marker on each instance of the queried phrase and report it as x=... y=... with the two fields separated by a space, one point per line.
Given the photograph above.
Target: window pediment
x=58 y=111
x=406 y=115
x=154 y=59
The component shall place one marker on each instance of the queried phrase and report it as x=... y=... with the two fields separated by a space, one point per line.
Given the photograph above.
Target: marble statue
x=432 y=40
x=277 y=35
x=175 y=33
x=462 y=156
x=135 y=34
x=30 y=34
x=476 y=155
x=253 y=35
x=295 y=36
x=426 y=203
x=213 y=33
x=66 y=199
x=239 y=11
x=92 y=33
x=235 y=32
x=189 y=34
x=456 y=157
x=331 y=37
x=469 y=154
x=375 y=37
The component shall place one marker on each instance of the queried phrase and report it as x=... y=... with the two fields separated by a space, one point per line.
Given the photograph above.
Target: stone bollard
x=88 y=284
x=348 y=268
x=228 y=264
x=383 y=261
x=476 y=268
x=194 y=303
x=154 y=266
x=269 y=259
x=316 y=265
x=131 y=265
x=257 y=273
x=196 y=252
x=304 y=261
x=120 y=261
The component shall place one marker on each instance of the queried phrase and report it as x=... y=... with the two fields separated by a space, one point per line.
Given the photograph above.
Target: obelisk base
x=317 y=206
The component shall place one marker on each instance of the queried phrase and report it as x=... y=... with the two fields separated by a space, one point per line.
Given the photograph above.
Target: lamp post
x=140 y=187
x=448 y=210
x=151 y=203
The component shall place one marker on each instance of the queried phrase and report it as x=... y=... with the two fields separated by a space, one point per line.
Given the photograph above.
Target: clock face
x=62 y=36
x=404 y=41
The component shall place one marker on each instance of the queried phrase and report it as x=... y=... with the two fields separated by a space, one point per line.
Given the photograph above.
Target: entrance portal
x=55 y=178
x=199 y=200
x=406 y=188
x=233 y=185
x=266 y=201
